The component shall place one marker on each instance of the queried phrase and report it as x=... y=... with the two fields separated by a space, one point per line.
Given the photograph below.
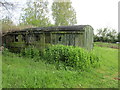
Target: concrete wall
x=81 y=38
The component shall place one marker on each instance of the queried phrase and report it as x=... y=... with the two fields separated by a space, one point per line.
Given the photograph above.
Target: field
x=19 y=72
x=109 y=45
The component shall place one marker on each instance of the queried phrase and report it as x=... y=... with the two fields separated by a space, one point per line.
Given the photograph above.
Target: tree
x=36 y=13
x=63 y=13
x=118 y=37
x=6 y=5
x=7 y=24
x=7 y=8
x=106 y=35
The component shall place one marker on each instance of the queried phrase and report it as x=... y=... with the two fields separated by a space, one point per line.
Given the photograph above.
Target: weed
x=64 y=56
x=24 y=72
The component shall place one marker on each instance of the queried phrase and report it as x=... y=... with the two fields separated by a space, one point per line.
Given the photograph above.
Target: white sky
x=97 y=13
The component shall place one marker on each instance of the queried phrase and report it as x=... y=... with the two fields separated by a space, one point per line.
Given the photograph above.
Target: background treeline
x=107 y=35
x=38 y=13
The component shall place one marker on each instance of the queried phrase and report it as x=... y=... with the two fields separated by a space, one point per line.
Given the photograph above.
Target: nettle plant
x=75 y=57
x=30 y=52
x=64 y=56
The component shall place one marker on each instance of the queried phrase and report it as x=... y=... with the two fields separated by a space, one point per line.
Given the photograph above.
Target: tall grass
x=26 y=72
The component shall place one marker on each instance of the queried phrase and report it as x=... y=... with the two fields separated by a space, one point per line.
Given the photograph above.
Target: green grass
x=19 y=72
x=103 y=44
x=0 y=70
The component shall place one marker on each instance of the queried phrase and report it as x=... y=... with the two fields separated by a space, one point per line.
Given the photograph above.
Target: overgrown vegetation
x=25 y=72
x=64 y=56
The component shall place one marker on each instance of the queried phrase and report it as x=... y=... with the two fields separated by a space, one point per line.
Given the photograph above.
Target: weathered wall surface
x=40 y=39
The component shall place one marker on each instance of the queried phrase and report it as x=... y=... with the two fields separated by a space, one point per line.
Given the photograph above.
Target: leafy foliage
x=6 y=24
x=65 y=56
x=36 y=13
x=23 y=72
x=106 y=35
x=30 y=52
x=9 y=26
x=63 y=13
x=71 y=56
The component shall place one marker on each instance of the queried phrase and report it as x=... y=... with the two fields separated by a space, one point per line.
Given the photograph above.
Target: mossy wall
x=81 y=38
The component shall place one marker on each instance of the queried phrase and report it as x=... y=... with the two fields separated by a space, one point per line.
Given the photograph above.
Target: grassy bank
x=19 y=72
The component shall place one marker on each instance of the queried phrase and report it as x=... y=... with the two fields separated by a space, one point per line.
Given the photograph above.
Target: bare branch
x=6 y=5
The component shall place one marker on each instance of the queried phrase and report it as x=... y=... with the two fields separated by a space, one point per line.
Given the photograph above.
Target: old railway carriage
x=78 y=35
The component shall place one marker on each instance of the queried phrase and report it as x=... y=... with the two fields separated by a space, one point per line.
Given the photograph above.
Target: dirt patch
x=117 y=78
x=115 y=47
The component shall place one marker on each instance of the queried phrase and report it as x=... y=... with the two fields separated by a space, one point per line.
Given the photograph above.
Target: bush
x=64 y=56
x=30 y=52
x=6 y=52
x=71 y=56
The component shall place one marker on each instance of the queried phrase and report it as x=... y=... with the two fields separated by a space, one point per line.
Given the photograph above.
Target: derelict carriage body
x=78 y=35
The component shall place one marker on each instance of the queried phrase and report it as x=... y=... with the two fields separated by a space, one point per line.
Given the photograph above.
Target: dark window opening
x=59 y=38
x=37 y=37
x=16 y=38
x=23 y=38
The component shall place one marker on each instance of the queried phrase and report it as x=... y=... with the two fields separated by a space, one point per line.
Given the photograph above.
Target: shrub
x=30 y=52
x=71 y=56
x=6 y=52
x=64 y=56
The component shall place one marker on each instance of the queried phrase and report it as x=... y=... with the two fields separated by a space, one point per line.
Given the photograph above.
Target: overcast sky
x=97 y=13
